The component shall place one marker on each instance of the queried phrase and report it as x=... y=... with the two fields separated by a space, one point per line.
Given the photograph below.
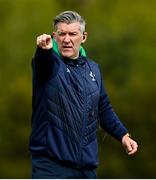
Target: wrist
x=128 y=135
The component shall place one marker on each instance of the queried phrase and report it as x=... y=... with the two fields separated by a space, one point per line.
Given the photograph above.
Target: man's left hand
x=129 y=144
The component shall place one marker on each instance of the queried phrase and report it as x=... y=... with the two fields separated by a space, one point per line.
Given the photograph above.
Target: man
x=69 y=100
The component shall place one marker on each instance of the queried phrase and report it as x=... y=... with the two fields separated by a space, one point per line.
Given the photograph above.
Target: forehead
x=75 y=26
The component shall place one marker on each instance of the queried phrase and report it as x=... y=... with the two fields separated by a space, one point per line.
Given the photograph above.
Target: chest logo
x=92 y=76
x=68 y=70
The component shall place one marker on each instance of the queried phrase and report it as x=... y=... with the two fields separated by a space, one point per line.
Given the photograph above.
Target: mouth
x=67 y=47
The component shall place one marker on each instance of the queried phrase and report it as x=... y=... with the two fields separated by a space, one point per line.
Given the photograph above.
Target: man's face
x=69 y=39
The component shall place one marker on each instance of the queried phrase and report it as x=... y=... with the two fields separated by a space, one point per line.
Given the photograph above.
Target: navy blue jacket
x=69 y=100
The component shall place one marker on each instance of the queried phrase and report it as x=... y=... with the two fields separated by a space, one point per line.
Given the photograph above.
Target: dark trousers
x=45 y=168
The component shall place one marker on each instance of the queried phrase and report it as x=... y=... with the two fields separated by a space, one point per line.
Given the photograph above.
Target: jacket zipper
x=84 y=116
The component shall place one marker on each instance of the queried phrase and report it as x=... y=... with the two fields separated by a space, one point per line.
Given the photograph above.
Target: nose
x=66 y=38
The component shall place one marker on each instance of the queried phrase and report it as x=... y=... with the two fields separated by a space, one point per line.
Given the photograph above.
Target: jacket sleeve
x=42 y=63
x=109 y=121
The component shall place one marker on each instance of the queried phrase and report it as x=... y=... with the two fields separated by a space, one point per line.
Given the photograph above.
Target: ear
x=84 y=37
x=54 y=35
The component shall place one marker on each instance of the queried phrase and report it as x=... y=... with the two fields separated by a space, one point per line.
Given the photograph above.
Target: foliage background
x=121 y=39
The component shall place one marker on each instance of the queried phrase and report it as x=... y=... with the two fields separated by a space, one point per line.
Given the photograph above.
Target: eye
x=72 y=33
x=61 y=33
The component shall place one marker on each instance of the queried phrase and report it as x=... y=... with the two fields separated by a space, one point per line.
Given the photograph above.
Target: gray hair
x=69 y=17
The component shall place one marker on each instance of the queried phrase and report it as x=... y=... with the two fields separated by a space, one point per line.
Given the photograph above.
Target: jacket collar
x=75 y=62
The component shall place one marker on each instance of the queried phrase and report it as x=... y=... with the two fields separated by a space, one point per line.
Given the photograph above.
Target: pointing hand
x=44 y=41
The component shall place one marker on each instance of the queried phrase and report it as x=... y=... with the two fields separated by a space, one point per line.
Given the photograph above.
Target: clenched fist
x=44 y=41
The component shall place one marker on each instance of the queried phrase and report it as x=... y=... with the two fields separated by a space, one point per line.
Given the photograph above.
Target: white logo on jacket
x=92 y=76
x=68 y=70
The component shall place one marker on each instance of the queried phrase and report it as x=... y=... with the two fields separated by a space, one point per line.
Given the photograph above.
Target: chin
x=67 y=55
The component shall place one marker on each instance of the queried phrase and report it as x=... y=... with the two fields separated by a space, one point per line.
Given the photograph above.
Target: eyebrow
x=61 y=31
x=70 y=32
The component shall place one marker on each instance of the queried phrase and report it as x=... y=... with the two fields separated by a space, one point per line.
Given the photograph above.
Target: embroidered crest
x=68 y=70
x=92 y=76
